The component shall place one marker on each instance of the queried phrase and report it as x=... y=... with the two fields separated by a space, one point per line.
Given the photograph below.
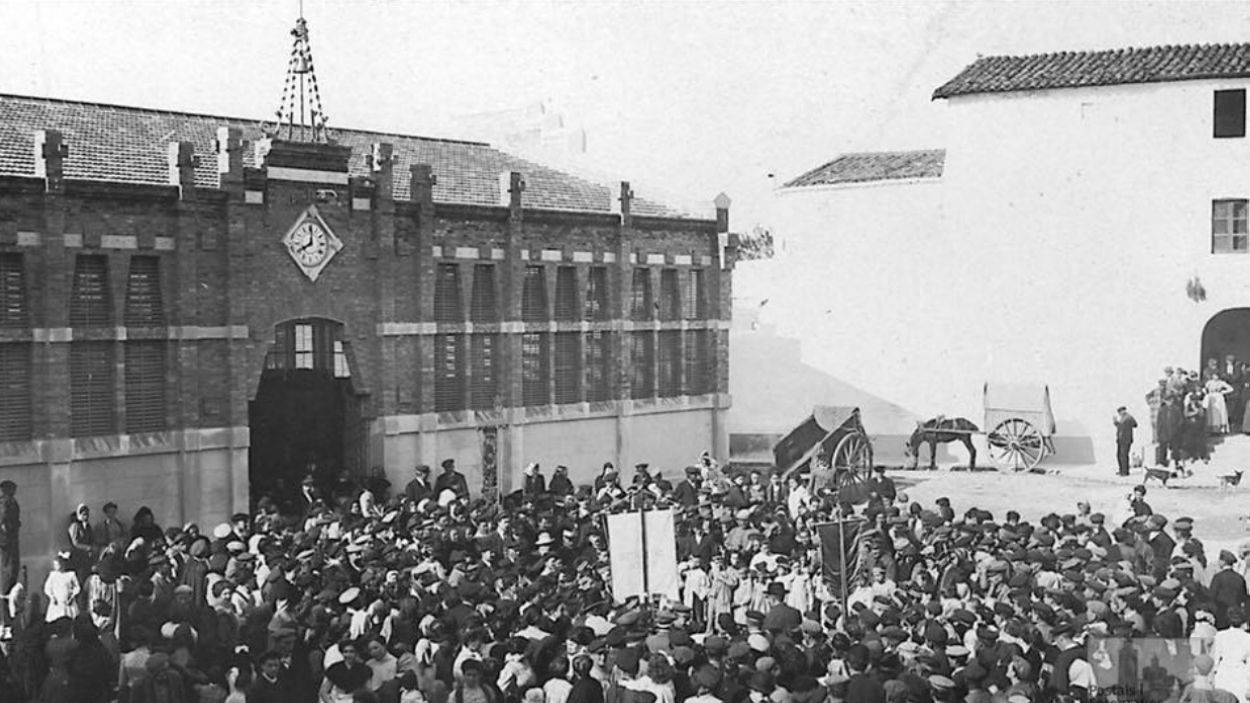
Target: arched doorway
x=1226 y=334
x=306 y=417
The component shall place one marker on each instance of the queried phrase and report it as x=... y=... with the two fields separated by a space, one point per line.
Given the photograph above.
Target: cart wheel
x=852 y=467
x=1015 y=444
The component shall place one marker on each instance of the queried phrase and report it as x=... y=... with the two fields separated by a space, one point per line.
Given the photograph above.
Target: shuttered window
x=642 y=365
x=145 y=386
x=484 y=306
x=695 y=301
x=698 y=369
x=15 y=405
x=670 y=364
x=598 y=368
x=566 y=293
x=144 y=306
x=448 y=372
x=91 y=372
x=568 y=367
x=447 y=306
x=640 y=295
x=91 y=303
x=484 y=369
x=670 y=295
x=13 y=307
x=534 y=295
x=1230 y=113
x=534 y=368
x=597 y=294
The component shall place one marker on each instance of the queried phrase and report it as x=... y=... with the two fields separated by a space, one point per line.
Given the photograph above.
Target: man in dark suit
x=687 y=491
x=452 y=480
x=419 y=488
x=560 y=485
x=535 y=484
x=780 y=617
x=1228 y=588
x=1124 y=425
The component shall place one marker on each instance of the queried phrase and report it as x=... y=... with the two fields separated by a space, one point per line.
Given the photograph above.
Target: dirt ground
x=1217 y=512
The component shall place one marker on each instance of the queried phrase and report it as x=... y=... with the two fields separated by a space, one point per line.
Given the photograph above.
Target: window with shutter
x=91 y=373
x=695 y=302
x=145 y=386
x=566 y=293
x=15 y=403
x=697 y=371
x=483 y=358
x=144 y=306
x=640 y=295
x=597 y=294
x=13 y=291
x=568 y=367
x=670 y=364
x=448 y=372
x=1230 y=113
x=485 y=304
x=534 y=295
x=447 y=306
x=670 y=297
x=598 y=357
x=534 y=368
x=91 y=302
x=642 y=364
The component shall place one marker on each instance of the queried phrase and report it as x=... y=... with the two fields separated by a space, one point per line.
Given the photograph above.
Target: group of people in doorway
x=1189 y=407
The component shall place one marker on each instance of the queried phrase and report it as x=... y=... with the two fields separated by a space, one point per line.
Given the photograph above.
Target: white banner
x=638 y=539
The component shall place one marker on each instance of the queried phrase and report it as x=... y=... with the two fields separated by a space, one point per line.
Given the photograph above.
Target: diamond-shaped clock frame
x=333 y=243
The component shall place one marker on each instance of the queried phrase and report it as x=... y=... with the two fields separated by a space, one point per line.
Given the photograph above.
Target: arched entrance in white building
x=1226 y=334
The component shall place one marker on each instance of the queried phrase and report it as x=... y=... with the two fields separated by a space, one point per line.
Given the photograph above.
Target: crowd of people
x=1187 y=408
x=426 y=594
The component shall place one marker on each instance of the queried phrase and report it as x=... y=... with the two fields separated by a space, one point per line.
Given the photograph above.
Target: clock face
x=309 y=244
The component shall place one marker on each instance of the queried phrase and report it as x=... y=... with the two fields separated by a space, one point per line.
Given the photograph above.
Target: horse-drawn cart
x=832 y=443
x=1019 y=424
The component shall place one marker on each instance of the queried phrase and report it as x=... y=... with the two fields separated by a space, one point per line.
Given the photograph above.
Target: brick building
x=191 y=312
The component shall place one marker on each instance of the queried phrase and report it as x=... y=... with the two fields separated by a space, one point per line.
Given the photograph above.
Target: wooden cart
x=833 y=445
x=1019 y=425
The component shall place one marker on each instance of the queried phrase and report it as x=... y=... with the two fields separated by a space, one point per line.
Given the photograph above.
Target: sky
x=685 y=99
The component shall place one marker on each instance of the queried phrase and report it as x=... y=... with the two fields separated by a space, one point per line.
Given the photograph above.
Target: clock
x=310 y=243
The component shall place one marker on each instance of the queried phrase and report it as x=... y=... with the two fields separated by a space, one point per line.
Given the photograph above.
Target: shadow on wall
x=1073 y=444
x=774 y=391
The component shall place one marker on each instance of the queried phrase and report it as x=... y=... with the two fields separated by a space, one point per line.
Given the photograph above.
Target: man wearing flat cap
x=451 y=480
x=1228 y=588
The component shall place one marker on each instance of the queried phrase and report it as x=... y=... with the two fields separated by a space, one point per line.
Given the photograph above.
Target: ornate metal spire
x=299 y=115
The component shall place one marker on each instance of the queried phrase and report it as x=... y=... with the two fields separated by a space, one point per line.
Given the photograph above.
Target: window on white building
x=1230 y=113
x=1229 y=231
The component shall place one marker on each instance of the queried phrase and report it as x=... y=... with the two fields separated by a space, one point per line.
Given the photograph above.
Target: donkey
x=942 y=430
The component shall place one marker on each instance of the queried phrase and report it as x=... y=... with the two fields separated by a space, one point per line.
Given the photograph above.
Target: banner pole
x=842 y=563
x=646 y=582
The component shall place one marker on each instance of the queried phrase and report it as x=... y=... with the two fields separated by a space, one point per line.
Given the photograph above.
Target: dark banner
x=1144 y=670
x=835 y=552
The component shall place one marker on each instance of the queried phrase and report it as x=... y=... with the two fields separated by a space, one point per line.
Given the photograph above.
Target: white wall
x=1055 y=248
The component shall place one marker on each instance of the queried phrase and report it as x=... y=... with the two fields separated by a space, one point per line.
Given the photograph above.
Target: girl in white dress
x=62 y=589
x=1231 y=652
x=1217 y=408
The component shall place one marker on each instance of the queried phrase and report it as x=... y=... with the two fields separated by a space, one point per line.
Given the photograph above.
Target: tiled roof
x=127 y=144
x=875 y=166
x=1075 y=69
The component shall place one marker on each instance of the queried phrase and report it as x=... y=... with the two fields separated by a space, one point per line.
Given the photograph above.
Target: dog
x=1230 y=480
x=1160 y=475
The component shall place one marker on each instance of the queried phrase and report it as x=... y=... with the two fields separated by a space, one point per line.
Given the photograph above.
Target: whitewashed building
x=1061 y=236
